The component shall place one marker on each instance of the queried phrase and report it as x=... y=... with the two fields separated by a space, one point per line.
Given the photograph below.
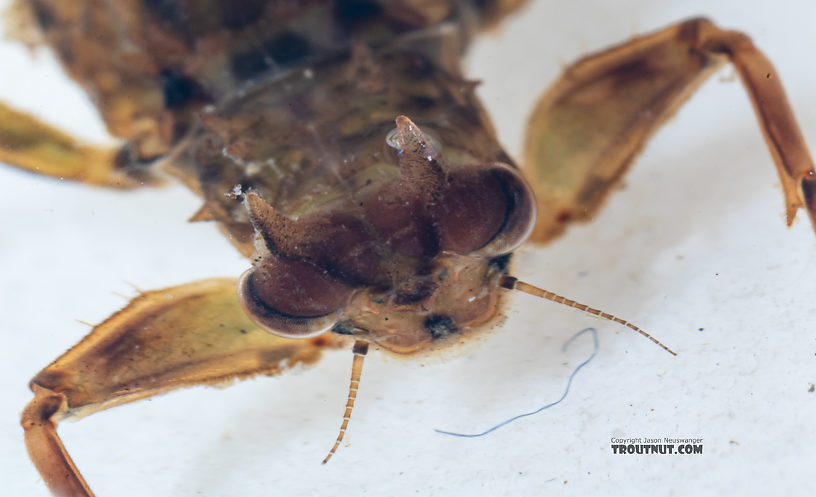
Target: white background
x=696 y=239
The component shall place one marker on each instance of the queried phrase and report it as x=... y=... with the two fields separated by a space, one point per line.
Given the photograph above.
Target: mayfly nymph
x=339 y=147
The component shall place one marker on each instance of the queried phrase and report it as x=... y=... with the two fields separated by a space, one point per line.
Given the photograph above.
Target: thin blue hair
x=566 y=390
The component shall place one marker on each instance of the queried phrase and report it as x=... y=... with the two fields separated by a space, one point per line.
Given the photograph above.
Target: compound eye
x=292 y=299
x=486 y=211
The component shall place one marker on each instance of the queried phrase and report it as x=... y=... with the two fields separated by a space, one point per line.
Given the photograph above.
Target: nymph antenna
x=512 y=283
x=360 y=351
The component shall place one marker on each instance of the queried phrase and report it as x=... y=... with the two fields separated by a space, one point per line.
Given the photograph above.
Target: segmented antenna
x=512 y=283
x=360 y=350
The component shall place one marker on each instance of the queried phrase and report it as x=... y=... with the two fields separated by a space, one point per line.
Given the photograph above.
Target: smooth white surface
x=695 y=240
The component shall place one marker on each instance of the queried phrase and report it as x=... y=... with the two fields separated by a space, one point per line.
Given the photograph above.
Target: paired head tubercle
x=300 y=282
x=307 y=269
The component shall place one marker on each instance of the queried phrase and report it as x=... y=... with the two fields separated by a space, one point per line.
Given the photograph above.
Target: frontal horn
x=418 y=157
x=281 y=234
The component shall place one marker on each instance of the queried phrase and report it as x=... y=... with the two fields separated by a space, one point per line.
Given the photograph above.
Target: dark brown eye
x=292 y=299
x=484 y=211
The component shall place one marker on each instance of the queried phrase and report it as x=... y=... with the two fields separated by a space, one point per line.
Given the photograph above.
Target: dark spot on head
x=353 y=12
x=501 y=263
x=320 y=341
x=563 y=217
x=343 y=328
x=243 y=331
x=440 y=326
x=178 y=89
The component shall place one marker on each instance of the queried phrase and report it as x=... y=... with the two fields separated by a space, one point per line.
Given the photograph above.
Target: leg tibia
x=45 y=447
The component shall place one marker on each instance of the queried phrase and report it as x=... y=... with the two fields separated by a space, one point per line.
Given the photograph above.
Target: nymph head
x=404 y=263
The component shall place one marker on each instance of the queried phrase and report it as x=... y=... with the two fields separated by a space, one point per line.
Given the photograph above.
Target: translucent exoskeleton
x=629 y=249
